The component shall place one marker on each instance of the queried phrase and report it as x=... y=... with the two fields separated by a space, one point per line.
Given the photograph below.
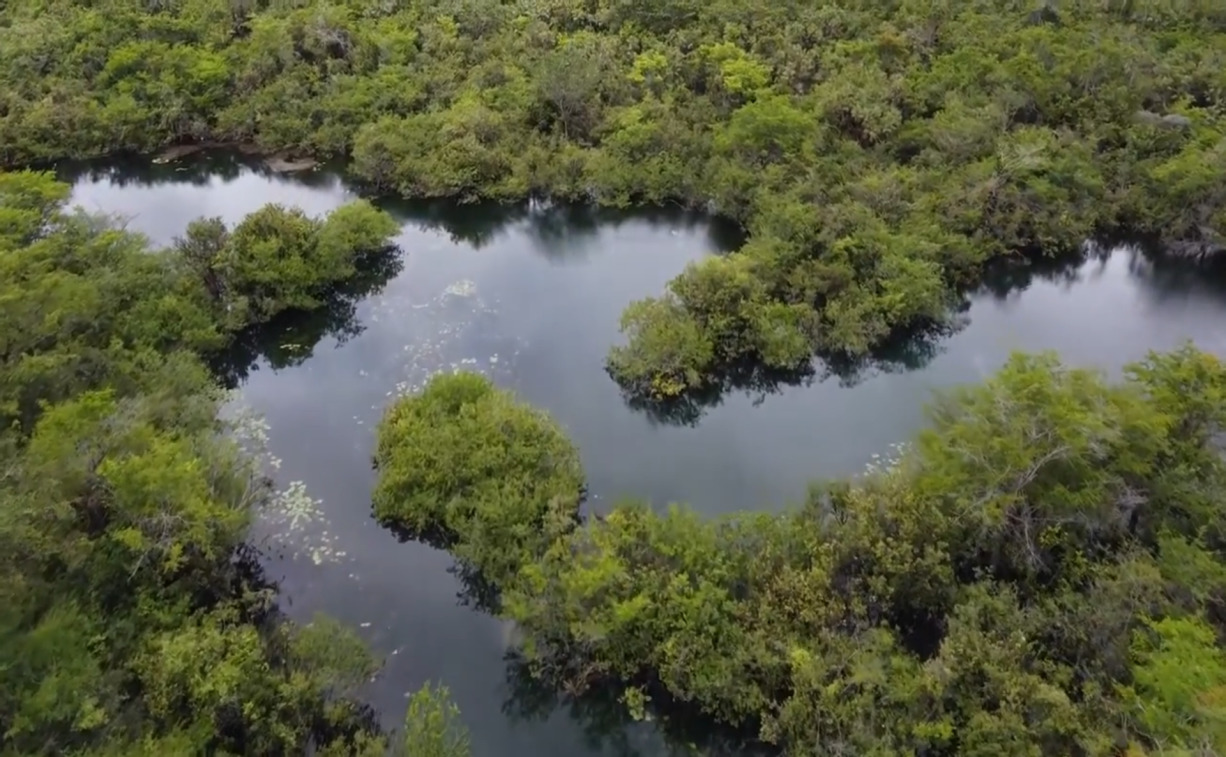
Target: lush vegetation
x=1041 y=571
x=466 y=467
x=878 y=153
x=133 y=618
x=280 y=259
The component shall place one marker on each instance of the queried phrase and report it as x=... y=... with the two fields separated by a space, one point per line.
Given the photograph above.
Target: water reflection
x=1163 y=277
x=563 y=234
x=563 y=230
x=570 y=234
x=1008 y=278
x=608 y=728
x=1171 y=279
x=199 y=169
x=536 y=306
x=290 y=338
x=902 y=353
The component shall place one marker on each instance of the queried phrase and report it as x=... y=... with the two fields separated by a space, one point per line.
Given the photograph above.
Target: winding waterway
x=532 y=295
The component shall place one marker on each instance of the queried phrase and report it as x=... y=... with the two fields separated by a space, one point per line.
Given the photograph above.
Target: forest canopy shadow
x=670 y=728
x=1162 y=271
x=290 y=338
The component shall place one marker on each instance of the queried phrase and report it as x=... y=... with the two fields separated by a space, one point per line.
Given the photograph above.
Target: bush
x=463 y=464
x=279 y=259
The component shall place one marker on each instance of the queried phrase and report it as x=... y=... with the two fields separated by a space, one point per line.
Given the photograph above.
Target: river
x=531 y=295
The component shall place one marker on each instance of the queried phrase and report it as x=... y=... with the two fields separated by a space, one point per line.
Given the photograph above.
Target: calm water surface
x=532 y=297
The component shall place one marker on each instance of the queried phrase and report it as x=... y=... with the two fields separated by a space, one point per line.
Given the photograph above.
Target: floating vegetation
x=293 y=520
x=889 y=462
x=443 y=338
x=248 y=429
x=299 y=525
x=461 y=288
x=454 y=330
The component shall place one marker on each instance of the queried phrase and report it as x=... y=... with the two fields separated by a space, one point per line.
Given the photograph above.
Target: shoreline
x=278 y=161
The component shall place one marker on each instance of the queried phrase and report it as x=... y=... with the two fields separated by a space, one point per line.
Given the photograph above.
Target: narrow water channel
x=532 y=295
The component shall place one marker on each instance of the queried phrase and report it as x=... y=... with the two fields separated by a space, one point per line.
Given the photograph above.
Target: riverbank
x=278 y=162
x=129 y=498
x=531 y=297
x=878 y=160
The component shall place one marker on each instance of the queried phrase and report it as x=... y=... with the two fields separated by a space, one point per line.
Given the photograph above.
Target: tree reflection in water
x=291 y=339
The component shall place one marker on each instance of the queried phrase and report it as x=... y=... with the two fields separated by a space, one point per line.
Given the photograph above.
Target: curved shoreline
x=277 y=161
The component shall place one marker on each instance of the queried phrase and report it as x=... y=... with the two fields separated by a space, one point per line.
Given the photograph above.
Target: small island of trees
x=465 y=467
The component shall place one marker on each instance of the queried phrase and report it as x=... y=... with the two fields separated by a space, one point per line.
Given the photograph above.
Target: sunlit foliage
x=279 y=258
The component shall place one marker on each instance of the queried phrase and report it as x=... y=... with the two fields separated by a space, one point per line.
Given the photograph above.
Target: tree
x=972 y=132
x=1180 y=678
x=432 y=727
x=279 y=259
x=134 y=618
x=571 y=82
x=667 y=354
x=1013 y=582
x=465 y=466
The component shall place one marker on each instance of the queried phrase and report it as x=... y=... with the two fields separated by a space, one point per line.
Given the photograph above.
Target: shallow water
x=532 y=296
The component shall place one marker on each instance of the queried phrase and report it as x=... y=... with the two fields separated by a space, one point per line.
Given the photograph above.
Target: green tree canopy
x=1040 y=571
x=466 y=466
x=134 y=618
x=879 y=154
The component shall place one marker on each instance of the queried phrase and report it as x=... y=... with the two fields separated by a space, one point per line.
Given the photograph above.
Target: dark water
x=532 y=296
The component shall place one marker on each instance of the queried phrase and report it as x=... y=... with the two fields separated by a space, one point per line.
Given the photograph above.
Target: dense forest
x=877 y=152
x=1040 y=572
x=134 y=619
